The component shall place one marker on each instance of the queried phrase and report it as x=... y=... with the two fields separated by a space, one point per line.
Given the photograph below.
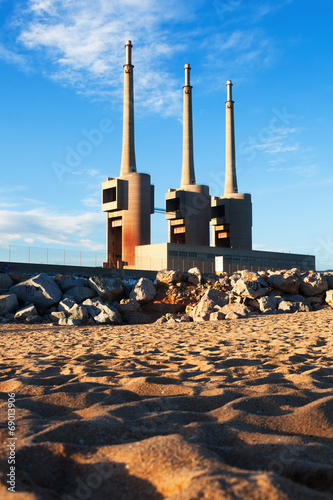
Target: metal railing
x=53 y=256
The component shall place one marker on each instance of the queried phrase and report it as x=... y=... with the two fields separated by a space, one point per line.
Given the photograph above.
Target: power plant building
x=128 y=201
x=188 y=207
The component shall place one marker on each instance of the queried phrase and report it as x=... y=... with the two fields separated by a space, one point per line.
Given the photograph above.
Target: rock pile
x=176 y=297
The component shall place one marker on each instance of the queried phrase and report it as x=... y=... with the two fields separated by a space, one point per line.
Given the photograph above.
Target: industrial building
x=128 y=201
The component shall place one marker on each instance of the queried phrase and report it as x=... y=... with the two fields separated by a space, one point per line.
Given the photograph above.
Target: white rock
x=285 y=283
x=268 y=304
x=93 y=306
x=313 y=284
x=108 y=315
x=8 y=303
x=56 y=315
x=128 y=306
x=78 y=312
x=65 y=304
x=26 y=311
x=216 y=316
x=40 y=290
x=108 y=289
x=194 y=276
x=69 y=322
x=239 y=310
x=292 y=307
x=251 y=285
x=169 y=276
x=144 y=291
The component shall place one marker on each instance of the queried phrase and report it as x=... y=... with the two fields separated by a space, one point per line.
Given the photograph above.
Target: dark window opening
x=109 y=195
x=173 y=205
x=218 y=211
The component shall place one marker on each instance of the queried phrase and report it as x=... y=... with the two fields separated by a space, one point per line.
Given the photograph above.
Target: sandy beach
x=237 y=409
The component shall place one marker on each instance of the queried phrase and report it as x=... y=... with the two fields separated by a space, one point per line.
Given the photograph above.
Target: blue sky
x=61 y=113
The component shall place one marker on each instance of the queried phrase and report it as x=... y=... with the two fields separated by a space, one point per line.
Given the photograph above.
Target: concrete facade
x=183 y=257
x=188 y=208
x=231 y=217
x=128 y=199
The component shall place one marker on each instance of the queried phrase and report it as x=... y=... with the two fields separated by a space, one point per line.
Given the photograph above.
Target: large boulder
x=217 y=297
x=5 y=281
x=235 y=310
x=109 y=289
x=268 y=305
x=216 y=316
x=93 y=306
x=78 y=312
x=108 y=315
x=287 y=306
x=25 y=312
x=313 y=284
x=144 y=291
x=65 y=304
x=8 y=303
x=251 y=285
x=329 y=297
x=128 y=306
x=207 y=305
x=102 y=313
x=284 y=282
x=194 y=276
x=40 y=290
x=79 y=293
x=169 y=276
x=55 y=316
x=298 y=298
x=67 y=283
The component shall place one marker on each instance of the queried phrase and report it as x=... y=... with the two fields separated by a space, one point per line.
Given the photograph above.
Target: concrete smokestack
x=230 y=185
x=188 y=176
x=128 y=163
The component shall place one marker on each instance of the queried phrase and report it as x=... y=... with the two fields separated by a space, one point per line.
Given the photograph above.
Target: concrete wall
x=183 y=257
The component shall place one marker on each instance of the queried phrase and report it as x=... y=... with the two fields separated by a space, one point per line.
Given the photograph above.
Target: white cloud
x=85 y=42
x=303 y=170
x=273 y=141
x=92 y=202
x=12 y=57
x=50 y=227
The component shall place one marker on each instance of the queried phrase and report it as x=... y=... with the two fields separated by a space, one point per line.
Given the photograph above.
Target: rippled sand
x=221 y=410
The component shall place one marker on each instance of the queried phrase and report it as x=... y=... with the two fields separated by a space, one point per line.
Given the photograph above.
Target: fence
x=53 y=256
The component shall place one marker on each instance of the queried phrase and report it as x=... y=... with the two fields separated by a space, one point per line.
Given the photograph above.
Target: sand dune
x=219 y=410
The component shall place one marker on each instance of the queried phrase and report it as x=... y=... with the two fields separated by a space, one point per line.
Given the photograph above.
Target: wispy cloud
x=277 y=141
x=11 y=57
x=44 y=226
x=85 y=43
x=239 y=50
x=302 y=171
x=268 y=7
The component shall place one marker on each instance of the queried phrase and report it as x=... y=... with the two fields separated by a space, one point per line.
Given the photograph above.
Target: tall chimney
x=188 y=176
x=230 y=185
x=128 y=163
